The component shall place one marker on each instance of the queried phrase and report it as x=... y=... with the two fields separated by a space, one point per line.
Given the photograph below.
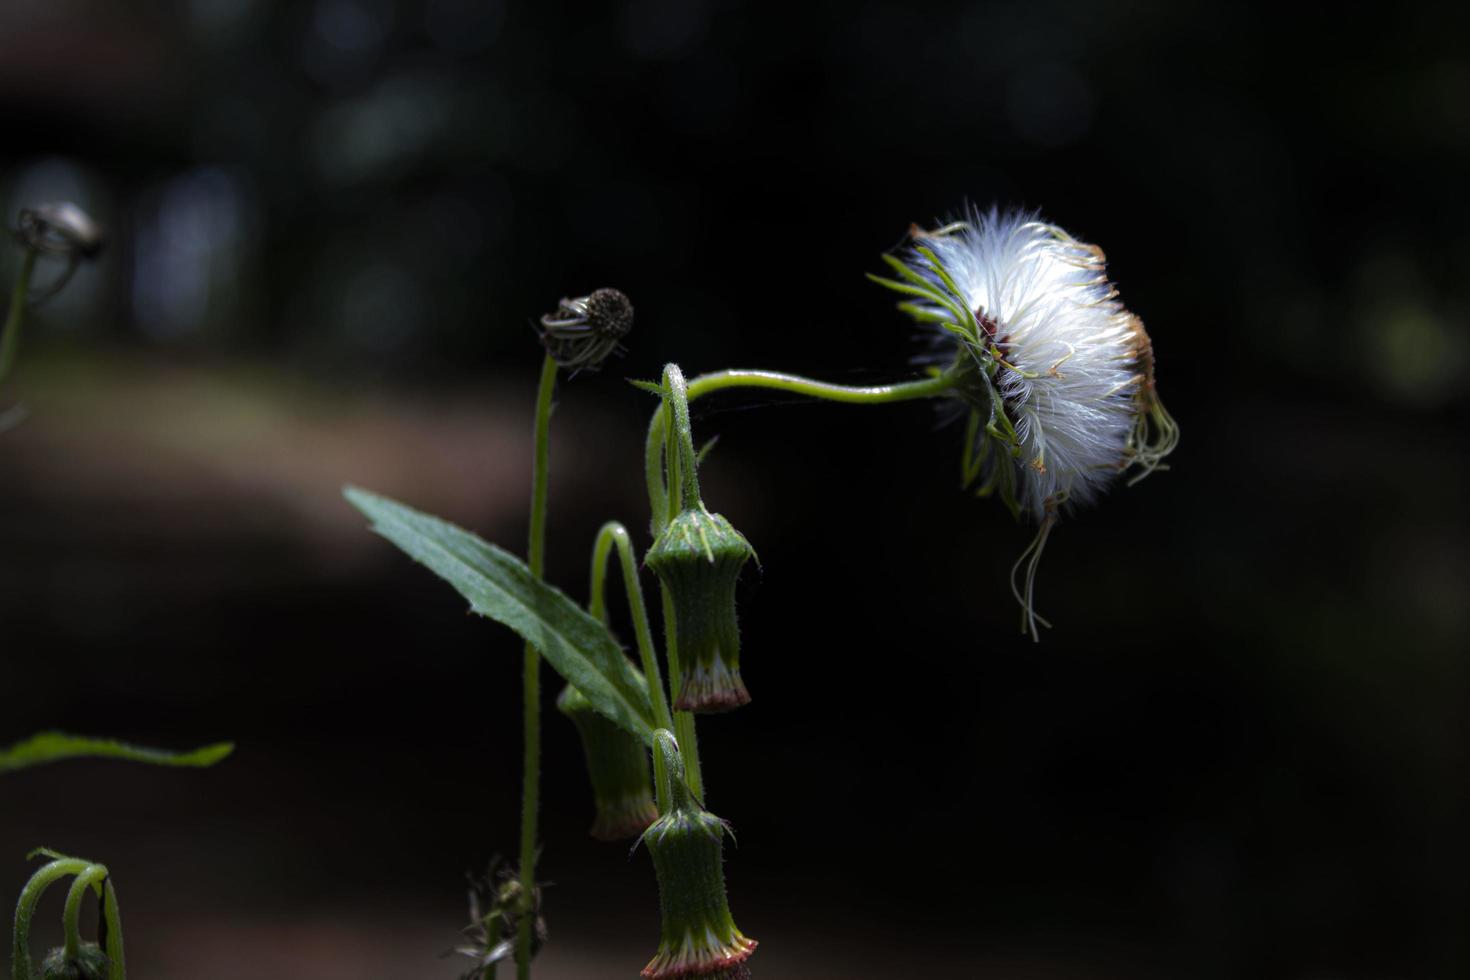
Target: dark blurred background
x=1241 y=753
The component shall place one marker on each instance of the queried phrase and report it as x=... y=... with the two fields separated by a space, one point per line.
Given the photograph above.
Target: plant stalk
x=704 y=384
x=25 y=910
x=10 y=338
x=681 y=461
x=531 y=678
x=615 y=534
x=72 y=913
x=669 y=460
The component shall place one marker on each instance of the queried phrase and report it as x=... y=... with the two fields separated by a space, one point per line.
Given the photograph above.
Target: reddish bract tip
x=711 y=689
x=720 y=961
x=625 y=821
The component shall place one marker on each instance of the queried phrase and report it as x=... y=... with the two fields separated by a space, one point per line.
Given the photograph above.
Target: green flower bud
x=698 y=557
x=699 y=937
x=617 y=765
x=90 y=964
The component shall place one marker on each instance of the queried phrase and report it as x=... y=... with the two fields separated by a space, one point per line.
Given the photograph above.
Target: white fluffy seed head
x=1070 y=360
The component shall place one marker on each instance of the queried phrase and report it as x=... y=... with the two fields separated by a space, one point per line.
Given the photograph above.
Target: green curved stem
x=674 y=791
x=679 y=456
x=25 y=910
x=531 y=676
x=704 y=384
x=10 y=338
x=117 y=968
x=684 y=727
x=902 y=391
x=677 y=395
x=92 y=876
x=602 y=546
x=674 y=451
x=615 y=534
x=612 y=535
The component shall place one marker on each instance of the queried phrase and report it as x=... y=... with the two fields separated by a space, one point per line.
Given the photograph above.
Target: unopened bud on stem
x=698 y=557
x=617 y=766
x=700 y=939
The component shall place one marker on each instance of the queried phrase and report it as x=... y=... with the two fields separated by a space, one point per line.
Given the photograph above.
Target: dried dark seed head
x=585 y=330
x=496 y=908
x=59 y=228
x=610 y=312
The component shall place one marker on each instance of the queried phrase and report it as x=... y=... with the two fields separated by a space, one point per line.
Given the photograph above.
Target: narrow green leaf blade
x=500 y=586
x=55 y=746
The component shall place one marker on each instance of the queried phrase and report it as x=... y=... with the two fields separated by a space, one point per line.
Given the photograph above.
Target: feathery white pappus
x=1068 y=352
x=1059 y=375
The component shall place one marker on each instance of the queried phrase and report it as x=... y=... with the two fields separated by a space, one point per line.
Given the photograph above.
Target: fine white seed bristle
x=1069 y=352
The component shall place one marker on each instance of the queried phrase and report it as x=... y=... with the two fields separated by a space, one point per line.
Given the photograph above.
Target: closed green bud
x=699 y=937
x=698 y=557
x=90 y=964
x=617 y=766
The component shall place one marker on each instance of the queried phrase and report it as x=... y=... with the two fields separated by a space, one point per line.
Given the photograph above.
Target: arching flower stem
x=705 y=384
x=613 y=535
x=10 y=338
x=91 y=877
x=670 y=459
x=25 y=910
x=676 y=445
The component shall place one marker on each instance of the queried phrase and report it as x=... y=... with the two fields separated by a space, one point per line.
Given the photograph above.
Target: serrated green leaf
x=55 y=746
x=500 y=586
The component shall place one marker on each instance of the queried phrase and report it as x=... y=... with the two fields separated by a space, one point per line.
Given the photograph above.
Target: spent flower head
x=61 y=230
x=496 y=908
x=584 y=331
x=1058 y=374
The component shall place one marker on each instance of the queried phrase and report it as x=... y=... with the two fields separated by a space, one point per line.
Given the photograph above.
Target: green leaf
x=55 y=746
x=500 y=586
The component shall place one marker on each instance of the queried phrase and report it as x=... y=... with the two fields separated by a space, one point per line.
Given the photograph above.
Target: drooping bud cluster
x=698 y=557
x=699 y=936
x=617 y=766
x=79 y=959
